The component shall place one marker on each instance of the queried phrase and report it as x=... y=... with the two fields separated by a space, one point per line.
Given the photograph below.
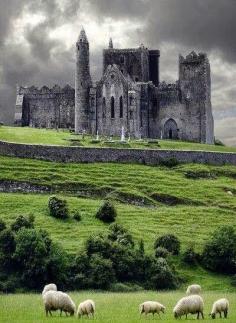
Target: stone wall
x=90 y=155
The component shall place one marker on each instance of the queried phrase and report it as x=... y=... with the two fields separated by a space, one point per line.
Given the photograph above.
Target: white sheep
x=221 y=305
x=194 y=290
x=151 y=307
x=55 y=300
x=48 y=288
x=86 y=308
x=190 y=304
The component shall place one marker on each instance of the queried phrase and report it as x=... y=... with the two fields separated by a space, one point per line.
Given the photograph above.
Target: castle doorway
x=170 y=130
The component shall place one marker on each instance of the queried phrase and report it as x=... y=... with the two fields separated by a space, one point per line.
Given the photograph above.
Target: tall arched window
x=104 y=107
x=112 y=107
x=121 y=106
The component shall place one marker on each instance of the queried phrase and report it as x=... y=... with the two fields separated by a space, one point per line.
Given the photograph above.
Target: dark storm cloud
x=204 y=24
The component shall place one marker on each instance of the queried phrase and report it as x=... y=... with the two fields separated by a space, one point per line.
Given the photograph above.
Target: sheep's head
x=213 y=315
x=176 y=315
x=163 y=309
x=72 y=312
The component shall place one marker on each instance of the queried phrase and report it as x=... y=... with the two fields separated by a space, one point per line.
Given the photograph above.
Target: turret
x=82 y=84
x=110 y=43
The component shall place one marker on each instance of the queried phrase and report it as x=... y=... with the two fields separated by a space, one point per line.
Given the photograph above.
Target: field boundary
x=121 y=155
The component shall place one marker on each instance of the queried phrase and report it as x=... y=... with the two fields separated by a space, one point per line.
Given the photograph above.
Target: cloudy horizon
x=37 y=43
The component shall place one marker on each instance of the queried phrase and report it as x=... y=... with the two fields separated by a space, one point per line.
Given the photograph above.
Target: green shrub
x=107 y=212
x=23 y=222
x=218 y=142
x=77 y=216
x=58 y=208
x=161 y=275
x=169 y=162
x=233 y=281
x=7 y=247
x=169 y=242
x=190 y=257
x=161 y=252
x=119 y=234
x=2 y=225
x=219 y=253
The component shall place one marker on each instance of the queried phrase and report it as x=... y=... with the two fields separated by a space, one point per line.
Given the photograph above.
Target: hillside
x=188 y=200
x=65 y=138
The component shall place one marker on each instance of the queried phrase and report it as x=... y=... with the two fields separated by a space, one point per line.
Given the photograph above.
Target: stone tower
x=82 y=84
x=195 y=85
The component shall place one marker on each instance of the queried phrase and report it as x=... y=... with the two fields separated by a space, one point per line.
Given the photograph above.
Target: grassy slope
x=193 y=224
x=65 y=138
x=110 y=307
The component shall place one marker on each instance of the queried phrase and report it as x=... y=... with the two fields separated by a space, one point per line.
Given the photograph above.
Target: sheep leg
x=220 y=315
x=225 y=313
x=60 y=312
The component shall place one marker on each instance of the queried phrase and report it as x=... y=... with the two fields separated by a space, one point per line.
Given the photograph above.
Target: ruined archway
x=170 y=129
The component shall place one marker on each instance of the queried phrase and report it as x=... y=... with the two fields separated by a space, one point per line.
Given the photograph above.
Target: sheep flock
x=193 y=303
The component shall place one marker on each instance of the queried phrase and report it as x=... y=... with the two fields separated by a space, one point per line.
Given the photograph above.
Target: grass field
x=110 y=307
x=150 y=201
x=65 y=138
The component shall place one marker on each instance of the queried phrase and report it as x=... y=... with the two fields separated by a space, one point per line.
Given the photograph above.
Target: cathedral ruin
x=129 y=95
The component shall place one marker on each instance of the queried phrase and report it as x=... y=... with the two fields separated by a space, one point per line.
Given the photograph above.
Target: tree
x=58 y=208
x=23 y=222
x=7 y=247
x=169 y=242
x=107 y=212
x=219 y=253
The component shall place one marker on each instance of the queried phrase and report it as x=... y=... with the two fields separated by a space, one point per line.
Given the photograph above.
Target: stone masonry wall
x=91 y=155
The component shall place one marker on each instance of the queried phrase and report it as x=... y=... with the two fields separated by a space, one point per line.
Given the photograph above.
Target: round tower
x=82 y=84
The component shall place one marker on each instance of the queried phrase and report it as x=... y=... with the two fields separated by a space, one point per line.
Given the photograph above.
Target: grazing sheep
x=190 y=304
x=48 y=288
x=86 y=308
x=151 y=307
x=221 y=305
x=194 y=290
x=55 y=300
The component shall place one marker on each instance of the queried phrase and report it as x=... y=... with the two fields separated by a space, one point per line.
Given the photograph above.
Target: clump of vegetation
x=203 y=174
x=2 y=225
x=22 y=222
x=58 y=207
x=218 y=142
x=168 y=241
x=190 y=257
x=161 y=252
x=77 y=216
x=219 y=253
x=107 y=212
x=169 y=162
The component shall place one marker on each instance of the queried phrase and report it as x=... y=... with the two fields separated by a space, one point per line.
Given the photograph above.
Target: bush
x=169 y=242
x=2 y=225
x=58 y=208
x=125 y=288
x=190 y=257
x=7 y=247
x=219 y=253
x=233 y=281
x=107 y=212
x=219 y=142
x=77 y=216
x=119 y=234
x=161 y=275
x=23 y=222
x=169 y=162
x=161 y=252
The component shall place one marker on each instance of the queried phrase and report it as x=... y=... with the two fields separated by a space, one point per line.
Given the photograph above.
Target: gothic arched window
x=121 y=107
x=112 y=107
x=104 y=107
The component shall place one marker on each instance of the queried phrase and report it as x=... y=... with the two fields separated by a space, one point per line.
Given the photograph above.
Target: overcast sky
x=37 y=40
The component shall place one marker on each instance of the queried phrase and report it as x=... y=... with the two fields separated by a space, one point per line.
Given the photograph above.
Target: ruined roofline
x=44 y=89
x=193 y=57
x=131 y=50
x=163 y=86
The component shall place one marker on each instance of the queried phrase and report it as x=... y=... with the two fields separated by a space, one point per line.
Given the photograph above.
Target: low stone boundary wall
x=90 y=155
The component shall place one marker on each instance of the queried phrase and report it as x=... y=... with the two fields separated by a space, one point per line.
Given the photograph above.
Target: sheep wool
x=151 y=307
x=221 y=305
x=190 y=304
x=55 y=300
x=49 y=287
x=86 y=308
x=194 y=290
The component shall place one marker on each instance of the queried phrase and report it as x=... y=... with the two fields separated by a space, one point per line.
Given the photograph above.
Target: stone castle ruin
x=129 y=96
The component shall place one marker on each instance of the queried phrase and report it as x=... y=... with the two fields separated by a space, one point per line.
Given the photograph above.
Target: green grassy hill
x=188 y=200
x=65 y=138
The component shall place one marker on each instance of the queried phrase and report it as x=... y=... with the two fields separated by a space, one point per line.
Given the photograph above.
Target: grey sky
x=37 y=39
